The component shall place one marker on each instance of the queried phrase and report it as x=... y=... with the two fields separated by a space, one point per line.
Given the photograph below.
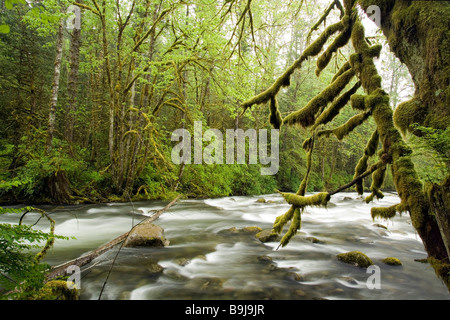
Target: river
x=205 y=260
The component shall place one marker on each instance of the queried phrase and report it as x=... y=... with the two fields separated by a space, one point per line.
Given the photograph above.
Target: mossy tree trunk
x=418 y=33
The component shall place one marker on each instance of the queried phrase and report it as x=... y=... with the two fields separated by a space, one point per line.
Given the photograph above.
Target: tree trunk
x=72 y=84
x=418 y=33
x=55 y=87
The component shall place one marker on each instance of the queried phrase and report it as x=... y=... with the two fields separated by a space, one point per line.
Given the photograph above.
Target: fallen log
x=83 y=260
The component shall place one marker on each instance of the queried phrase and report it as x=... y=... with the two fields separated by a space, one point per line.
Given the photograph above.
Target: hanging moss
x=281 y=221
x=306 y=116
x=319 y=199
x=275 y=114
x=315 y=47
x=361 y=167
x=387 y=212
x=344 y=68
x=340 y=41
x=293 y=228
x=377 y=182
x=333 y=110
x=342 y=131
x=284 y=80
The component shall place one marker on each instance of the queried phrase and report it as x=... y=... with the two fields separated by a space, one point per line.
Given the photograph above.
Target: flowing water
x=207 y=260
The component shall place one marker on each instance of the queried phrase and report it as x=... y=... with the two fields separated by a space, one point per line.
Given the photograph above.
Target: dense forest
x=91 y=92
x=88 y=112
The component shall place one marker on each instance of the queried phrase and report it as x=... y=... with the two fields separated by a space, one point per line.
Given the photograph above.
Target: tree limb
x=81 y=261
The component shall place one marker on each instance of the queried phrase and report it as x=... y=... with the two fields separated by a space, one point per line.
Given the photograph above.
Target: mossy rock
x=266 y=235
x=392 y=261
x=57 y=290
x=251 y=229
x=261 y=200
x=356 y=258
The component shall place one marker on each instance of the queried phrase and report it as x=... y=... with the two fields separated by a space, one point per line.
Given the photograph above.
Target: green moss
x=387 y=212
x=333 y=110
x=341 y=70
x=319 y=199
x=392 y=261
x=356 y=258
x=377 y=182
x=293 y=228
x=281 y=221
x=340 y=41
x=342 y=131
x=358 y=102
x=57 y=290
x=315 y=47
x=275 y=115
x=409 y=113
x=361 y=167
x=306 y=116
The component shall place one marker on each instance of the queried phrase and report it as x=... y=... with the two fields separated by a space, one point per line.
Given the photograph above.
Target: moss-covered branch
x=387 y=212
x=306 y=116
x=333 y=110
x=284 y=80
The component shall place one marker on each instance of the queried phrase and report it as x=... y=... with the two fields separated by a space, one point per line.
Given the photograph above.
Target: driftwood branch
x=83 y=260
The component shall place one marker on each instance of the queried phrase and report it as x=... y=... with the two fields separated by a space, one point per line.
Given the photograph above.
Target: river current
x=210 y=258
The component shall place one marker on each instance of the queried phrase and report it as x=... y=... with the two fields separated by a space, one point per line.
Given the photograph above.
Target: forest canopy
x=89 y=105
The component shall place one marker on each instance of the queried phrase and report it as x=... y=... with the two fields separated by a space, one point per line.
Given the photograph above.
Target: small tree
x=22 y=272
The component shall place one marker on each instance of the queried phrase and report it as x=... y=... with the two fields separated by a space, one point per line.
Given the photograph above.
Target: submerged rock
x=314 y=240
x=356 y=258
x=266 y=235
x=146 y=235
x=245 y=230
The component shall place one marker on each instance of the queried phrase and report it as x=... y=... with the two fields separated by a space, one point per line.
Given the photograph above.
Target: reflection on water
x=205 y=261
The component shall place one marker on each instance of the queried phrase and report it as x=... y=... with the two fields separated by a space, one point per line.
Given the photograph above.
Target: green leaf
x=8 y=4
x=4 y=28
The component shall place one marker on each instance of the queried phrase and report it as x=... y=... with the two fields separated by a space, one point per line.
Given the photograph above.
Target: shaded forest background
x=87 y=114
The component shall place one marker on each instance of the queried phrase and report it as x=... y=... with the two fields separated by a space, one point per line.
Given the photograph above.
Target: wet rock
x=146 y=235
x=266 y=235
x=315 y=240
x=356 y=258
x=392 y=261
x=155 y=269
x=261 y=200
x=252 y=229
x=245 y=230
x=380 y=226
x=182 y=261
x=264 y=259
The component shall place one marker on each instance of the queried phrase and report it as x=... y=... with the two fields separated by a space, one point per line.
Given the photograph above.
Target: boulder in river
x=146 y=235
x=266 y=235
x=356 y=258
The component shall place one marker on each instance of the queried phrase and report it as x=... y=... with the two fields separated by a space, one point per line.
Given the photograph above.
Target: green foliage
x=21 y=272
